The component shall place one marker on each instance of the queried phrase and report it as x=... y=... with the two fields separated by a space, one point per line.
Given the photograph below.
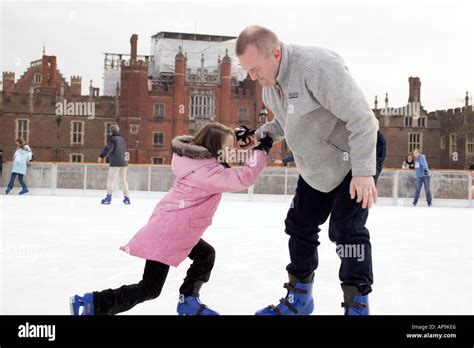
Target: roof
x=189 y=36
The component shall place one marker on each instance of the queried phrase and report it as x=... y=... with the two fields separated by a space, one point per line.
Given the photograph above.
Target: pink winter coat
x=181 y=217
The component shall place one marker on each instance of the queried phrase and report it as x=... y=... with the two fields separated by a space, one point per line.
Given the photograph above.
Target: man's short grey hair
x=264 y=39
x=114 y=128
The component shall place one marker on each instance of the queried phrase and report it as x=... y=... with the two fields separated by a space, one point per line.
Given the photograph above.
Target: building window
x=453 y=146
x=201 y=104
x=243 y=114
x=422 y=121
x=107 y=131
x=157 y=160
x=415 y=141
x=76 y=157
x=77 y=133
x=470 y=143
x=159 y=111
x=38 y=78
x=22 y=129
x=443 y=142
x=408 y=121
x=158 y=138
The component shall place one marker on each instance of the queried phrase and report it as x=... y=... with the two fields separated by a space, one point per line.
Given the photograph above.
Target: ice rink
x=53 y=247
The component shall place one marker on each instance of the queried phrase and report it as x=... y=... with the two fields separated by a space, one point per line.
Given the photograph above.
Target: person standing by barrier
x=116 y=151
x=21 y=157
x=422 y=177
x=408 y=163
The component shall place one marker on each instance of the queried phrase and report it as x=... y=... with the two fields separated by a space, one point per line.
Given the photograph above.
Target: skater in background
x=339 y=152
x=175 y=227
x=116 y=151
x=21 y=157
x=408 y=163
x=422 y=177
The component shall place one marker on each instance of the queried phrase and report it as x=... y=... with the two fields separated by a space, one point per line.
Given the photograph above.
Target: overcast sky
x=383 y=42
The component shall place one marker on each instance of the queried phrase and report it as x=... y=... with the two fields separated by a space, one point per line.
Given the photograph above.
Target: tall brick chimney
x=45 y=71
x=180 y=124
x=52 y=71
x=133 y=48
x=48 y=72
x=415 y=89
x=226 y=75
x=8 y=81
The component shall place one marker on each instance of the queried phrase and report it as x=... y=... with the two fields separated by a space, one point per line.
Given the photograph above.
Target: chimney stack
x=133 y=48
x=415 y=87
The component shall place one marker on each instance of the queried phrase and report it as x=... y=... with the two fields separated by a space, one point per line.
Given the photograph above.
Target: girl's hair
x=211 y=136
x=20 y=141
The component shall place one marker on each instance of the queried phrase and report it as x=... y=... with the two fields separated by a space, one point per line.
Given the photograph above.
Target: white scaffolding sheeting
x=164 y=51
x=111 y=78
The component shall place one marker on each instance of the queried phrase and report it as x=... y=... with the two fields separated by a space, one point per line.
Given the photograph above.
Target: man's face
x=261 y=68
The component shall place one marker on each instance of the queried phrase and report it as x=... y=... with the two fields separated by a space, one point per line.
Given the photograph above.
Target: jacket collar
x=183 y=146
x=282 y=76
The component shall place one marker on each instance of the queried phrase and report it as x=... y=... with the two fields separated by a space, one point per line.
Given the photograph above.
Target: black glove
x=425 y=172
x=243 y=133
x=265 y=144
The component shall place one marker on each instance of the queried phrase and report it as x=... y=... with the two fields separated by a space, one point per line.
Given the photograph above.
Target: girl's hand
x=245 y=137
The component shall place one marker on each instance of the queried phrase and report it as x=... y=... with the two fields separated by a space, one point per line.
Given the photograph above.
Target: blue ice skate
x=86 y=303
x=355 y=303
x=22 y=192
x=126 y=200
x=106 y=200
x=298 y=300
x=191 y=305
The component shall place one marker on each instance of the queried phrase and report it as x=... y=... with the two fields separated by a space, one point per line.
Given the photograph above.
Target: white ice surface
x=53 y=247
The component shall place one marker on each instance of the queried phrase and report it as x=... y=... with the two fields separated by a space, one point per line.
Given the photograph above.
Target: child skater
x=175 y=227
x=21 y=157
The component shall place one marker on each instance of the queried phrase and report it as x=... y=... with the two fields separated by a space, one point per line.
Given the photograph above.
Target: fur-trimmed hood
x=183 y=146
x=188 y=157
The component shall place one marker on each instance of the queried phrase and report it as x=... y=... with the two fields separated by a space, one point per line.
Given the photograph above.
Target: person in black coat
x=116 y=151
x=409 y=163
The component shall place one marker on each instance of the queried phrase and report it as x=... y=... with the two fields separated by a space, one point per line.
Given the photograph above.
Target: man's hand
x=99 y=160
x=266 y=144
x=364 y=188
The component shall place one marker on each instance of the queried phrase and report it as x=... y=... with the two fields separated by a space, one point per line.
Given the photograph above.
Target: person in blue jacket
x=422 y=177
x=21 y=157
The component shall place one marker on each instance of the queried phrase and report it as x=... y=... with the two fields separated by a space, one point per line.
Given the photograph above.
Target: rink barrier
x=398 y=185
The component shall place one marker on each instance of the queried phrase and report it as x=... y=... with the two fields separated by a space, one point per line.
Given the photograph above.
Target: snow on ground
x=53 y=247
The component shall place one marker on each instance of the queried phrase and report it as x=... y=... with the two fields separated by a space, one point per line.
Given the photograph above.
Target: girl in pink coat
x=175 y=227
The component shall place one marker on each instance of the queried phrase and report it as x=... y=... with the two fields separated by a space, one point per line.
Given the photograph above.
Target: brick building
x=446 y=137
x=457 y=137
x=149 y=111
x=153 y=103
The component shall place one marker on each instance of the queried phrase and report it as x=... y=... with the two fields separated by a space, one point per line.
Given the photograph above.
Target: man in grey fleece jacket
x=333 y=134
